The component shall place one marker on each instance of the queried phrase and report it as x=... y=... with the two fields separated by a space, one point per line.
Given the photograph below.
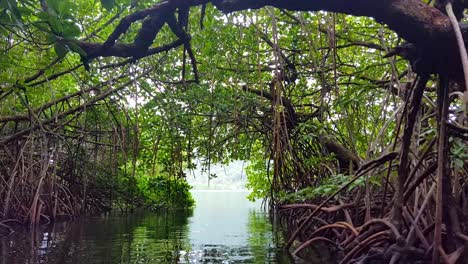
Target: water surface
x=223 y=228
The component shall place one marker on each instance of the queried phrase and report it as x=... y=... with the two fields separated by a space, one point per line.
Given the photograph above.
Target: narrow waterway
x=223 y=228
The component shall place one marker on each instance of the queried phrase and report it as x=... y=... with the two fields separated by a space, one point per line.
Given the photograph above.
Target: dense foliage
x=108 y=102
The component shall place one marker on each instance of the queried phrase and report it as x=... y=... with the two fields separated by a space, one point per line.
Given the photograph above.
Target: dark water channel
x=223 y=228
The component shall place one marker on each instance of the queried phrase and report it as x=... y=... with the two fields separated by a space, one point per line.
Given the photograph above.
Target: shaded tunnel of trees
x=352 y=115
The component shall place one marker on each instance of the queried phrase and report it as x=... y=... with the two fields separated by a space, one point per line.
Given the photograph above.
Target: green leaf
x=53 y=21
x=108 y=4
x=59 y=6
x=54 y=4
x=5 y=18
x=51 y=38
x=25 y=11
x=60 y=49
x=44 y=16
x=458 y=163
x=70 y=30
x=55 y=24
x=42 y=26
x=12 y=7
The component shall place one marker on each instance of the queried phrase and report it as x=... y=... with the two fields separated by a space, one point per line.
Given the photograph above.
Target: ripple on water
x=223 y=228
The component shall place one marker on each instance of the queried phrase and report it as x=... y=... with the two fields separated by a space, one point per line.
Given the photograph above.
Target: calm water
x=223 y=228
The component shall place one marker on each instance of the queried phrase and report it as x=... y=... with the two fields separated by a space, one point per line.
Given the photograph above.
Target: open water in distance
x=224 y=227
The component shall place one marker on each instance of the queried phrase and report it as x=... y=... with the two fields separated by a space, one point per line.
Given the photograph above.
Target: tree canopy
x=350 y=113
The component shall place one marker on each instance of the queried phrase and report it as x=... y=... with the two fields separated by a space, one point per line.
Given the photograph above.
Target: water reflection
x=141 y=237
x=223 y=228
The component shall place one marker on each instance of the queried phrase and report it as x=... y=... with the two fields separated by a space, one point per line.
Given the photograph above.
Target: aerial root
x=377 y=239
x=5 y=229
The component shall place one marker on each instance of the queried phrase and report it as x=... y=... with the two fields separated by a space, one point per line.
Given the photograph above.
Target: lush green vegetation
x=107 y=103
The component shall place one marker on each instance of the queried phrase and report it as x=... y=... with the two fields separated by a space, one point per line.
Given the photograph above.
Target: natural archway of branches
x=351 y=113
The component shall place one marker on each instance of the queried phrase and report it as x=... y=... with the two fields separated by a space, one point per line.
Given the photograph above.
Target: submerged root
x=374 y=240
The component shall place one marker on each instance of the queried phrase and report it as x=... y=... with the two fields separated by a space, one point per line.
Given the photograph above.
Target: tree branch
x=420 y=24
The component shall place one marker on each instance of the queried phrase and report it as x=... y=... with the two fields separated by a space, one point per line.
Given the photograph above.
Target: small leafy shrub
x=327 y=187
